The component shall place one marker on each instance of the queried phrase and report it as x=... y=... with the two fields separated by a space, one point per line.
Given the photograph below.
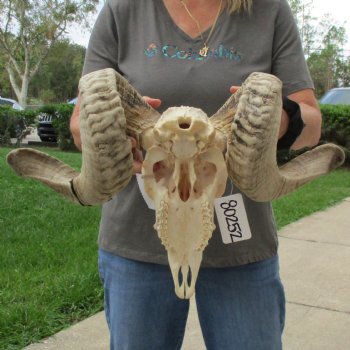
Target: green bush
x=14 y=123
x=336 y=126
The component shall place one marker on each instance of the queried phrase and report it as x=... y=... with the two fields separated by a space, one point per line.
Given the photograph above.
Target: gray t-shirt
x=140 y=40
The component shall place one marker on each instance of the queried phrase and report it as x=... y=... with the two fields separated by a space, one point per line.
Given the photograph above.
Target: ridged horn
x=107 y=163
x=251 y=152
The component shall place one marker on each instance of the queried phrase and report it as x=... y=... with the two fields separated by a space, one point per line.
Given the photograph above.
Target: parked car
x=336 y=96
x=9 y=102
x=46 y=131
x=73 y=101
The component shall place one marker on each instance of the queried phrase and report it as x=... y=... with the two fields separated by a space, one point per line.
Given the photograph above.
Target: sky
x=339 y=9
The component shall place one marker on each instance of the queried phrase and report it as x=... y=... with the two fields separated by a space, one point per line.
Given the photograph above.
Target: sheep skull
x=183 y=172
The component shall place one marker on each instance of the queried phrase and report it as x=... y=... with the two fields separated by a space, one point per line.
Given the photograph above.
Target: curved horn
x=251 y=155
x=27 y=162
x=107 y=164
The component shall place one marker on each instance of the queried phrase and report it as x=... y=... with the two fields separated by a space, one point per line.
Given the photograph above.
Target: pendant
x=204 y=51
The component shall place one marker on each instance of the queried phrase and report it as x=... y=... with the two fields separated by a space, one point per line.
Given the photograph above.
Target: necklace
x=204 y=50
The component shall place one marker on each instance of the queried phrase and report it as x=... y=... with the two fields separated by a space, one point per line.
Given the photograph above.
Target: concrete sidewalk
x=315 y=269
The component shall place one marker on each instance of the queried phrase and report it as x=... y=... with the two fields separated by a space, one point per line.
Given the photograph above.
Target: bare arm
x=311 y=115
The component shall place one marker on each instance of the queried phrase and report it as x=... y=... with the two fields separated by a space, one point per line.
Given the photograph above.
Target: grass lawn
x=317 y=195
x=48 y=255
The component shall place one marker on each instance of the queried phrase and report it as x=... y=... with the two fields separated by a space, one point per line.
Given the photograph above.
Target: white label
x=145 y=196
x=232 y=218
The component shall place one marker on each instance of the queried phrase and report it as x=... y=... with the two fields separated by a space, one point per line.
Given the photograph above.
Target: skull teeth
x=161 y=224
x=208 y=225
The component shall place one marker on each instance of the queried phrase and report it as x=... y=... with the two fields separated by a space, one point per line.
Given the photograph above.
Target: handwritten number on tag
x=231 y=219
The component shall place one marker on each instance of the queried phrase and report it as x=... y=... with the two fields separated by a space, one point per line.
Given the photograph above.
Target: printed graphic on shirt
x=176 y=52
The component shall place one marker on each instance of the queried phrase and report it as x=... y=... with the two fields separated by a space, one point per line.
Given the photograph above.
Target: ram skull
x=188 y=159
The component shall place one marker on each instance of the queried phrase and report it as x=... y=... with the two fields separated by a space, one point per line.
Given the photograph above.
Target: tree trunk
x=20 y=91
x=13 y=81
x=22 y=99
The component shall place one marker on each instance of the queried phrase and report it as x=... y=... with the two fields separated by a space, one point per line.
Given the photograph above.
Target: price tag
x=232 y=218
x=145 y=196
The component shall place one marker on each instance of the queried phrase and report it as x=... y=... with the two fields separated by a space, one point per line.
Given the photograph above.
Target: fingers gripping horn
x=107 y=163
x=252 y=145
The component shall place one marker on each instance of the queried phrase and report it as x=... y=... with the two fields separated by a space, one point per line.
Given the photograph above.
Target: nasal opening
x=184 y=126
x=184 y=185
x=184 y=123
x=185 y=277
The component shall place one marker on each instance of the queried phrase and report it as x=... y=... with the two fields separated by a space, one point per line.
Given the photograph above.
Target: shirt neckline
x=183 y=34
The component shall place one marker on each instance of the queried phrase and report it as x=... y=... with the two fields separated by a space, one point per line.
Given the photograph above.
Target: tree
x=327 y=64
x=28 y=30
x=346 y=72
x=302 y=11
x=57 y=79
x=323 y=42
x=5 y=86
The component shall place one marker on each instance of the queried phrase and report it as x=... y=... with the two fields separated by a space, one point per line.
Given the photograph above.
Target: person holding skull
x=195 y=53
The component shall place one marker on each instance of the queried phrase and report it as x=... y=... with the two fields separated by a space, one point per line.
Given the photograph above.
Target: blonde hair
x=238 y=5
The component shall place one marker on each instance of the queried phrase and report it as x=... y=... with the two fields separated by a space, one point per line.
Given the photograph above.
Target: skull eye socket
x=162 y=170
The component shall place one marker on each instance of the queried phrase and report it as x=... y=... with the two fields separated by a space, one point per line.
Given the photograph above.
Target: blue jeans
x=239 y=308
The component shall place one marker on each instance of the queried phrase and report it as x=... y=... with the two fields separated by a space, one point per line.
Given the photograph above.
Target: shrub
x=14 y=124
x=336 y=126
x=61 y=124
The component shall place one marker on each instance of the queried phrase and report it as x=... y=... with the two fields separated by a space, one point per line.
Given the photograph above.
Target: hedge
x=14 y=124
x=335 y=128
x=336 y=124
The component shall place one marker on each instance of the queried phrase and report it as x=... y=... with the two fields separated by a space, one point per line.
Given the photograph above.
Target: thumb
x=234 y=88
x=153 y=102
